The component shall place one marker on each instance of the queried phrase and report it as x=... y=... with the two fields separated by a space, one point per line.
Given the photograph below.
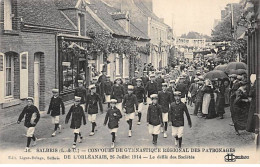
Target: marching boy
x=128 y=104
x=32 y=116
x=55 y=106
x=154 y=118
x=164 y=100
x=176 y=117
x=77 y=113
x=113 y=116
x=92 y=101
x=140 y=93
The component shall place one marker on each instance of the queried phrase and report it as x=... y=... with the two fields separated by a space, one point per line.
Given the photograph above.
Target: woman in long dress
x=220 y=101
x=241 y=107
x=226 y=92
x=252 y=118
x=208 y=103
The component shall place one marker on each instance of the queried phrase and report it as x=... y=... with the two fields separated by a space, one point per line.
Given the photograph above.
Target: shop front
x=73 y=57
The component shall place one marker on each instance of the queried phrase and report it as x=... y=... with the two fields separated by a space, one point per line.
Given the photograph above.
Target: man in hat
x=129 y=104
x=193 y=90
x=108 y=90
x=176 y=118
x=133 y=81
x=198 y=99
x=81 y=91
x=159 y=80
x=112 y=117
x=154 y=118
x=151 y=87
x=139 y=91
x=198 y=74
x=190 y=77
x=92 y=101
x=56 y=107
x=232 y=78
x=164 y=100
x=145 y=78
x=32 y=116
x=101 y=80
x=77 y=115
x=182 y=87
x=172 y=88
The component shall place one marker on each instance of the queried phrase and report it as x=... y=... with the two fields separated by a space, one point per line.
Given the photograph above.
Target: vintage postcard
x=129 y=81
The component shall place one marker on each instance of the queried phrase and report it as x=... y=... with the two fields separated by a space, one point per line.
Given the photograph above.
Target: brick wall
x=15 y=19
x=31 y=43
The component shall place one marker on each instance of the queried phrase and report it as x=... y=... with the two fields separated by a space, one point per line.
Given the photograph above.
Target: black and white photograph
x=129 y=81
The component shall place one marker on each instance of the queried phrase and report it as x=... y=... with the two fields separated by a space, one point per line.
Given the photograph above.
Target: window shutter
x=24 y=75
x=2 y=75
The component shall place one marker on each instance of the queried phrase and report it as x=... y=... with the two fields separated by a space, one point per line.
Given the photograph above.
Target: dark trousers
x=198 y=106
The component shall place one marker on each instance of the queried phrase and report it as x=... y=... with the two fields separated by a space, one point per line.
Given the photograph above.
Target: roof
x=92 y=24
x=66 y=4
x=109 y=15
x=136 y=32
x=104 y=13
x=43 y=13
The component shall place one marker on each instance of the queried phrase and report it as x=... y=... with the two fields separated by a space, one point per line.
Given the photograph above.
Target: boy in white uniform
x=32 y=116
x=77 y=113
x=112 y=117
x=56 y=107
x=176 y=118
x=154 y=118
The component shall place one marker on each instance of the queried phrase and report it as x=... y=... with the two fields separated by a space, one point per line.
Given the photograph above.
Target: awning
x=75 y=37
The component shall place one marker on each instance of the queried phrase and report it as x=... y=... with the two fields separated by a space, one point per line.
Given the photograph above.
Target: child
x=113 y=116
x=129 y=102
x=176 y=117
x=32 y=116
x=141 y=98
x=154 y=118
x=164 y=100
x=92 y=101
x=77 y=113
x=54 y=109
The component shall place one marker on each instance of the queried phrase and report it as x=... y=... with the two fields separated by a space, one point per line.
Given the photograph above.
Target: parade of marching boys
x=160 y=100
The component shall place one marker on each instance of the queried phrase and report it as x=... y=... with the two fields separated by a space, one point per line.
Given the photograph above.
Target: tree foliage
x=195 y=35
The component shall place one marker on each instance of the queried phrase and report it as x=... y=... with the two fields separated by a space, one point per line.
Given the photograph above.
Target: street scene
x=80 y=74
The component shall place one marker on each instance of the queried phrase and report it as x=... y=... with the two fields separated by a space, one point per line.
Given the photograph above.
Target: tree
x=222 y=32
x=195 y=35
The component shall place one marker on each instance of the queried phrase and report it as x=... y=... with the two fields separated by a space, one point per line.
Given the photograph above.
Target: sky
x=190 y=15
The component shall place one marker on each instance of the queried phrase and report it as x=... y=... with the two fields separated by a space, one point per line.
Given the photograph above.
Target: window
x=9 y=77
x=7 y=15
x=73 y=69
